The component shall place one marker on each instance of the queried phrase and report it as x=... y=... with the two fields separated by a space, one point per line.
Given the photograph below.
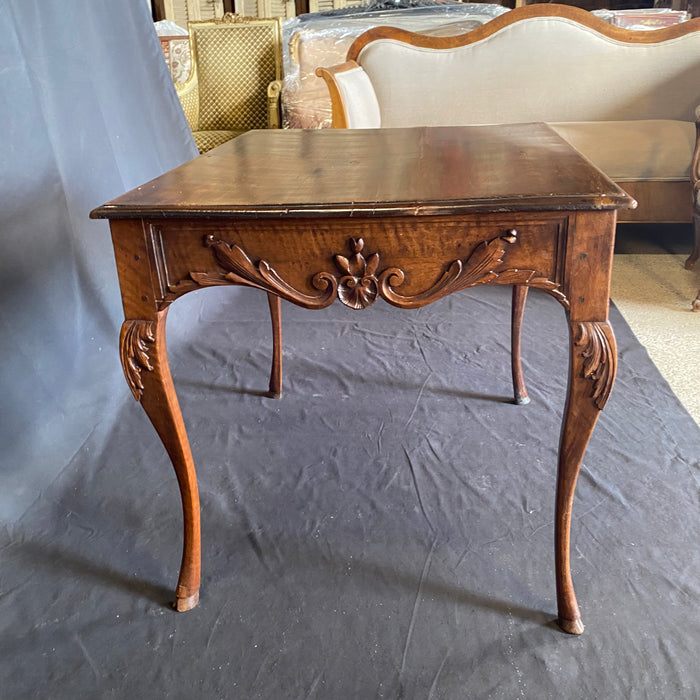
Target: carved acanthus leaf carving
x=242 y=270
x=481 y=267
x=360 y=286
x=134 y=347
x=597 y=347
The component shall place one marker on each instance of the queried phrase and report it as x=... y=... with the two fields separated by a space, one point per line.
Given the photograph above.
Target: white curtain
x=88 y=111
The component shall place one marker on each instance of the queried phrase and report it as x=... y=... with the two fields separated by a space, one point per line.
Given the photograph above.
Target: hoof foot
x=521 y=400
x=571 y=626
x=274 y=394
x=183 y=604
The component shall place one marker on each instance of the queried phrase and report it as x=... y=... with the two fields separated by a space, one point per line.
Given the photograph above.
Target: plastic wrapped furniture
x=314 y=40
x=174 y=42
x=643 y=19
x=235 y=80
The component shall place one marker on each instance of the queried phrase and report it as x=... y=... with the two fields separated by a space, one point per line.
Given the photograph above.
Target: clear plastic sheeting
x=643 y=19
x=323 y=39
x=167 y=28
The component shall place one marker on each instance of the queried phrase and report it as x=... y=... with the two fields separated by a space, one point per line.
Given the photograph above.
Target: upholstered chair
x=234 y=86
x=236 y=78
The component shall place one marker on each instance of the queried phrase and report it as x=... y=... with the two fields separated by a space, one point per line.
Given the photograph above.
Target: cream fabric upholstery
x=356 y=89
x=626 y=151
x=320 y=40
x=580 y=75
x=628 y=107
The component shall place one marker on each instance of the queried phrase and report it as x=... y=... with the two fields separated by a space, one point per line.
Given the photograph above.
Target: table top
x=377 y=172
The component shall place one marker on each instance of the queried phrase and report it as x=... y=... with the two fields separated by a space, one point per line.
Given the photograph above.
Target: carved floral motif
x=597 y=347
x=136 y=339
x=360 y=285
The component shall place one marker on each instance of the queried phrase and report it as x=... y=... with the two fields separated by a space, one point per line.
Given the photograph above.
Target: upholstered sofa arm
x=274 y=113
x=354 y=102
x=188 y=93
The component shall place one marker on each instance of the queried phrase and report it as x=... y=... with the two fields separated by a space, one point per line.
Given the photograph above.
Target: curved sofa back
x=539 y=63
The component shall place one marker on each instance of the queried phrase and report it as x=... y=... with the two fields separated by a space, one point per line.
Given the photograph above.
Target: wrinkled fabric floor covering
x=382 y=531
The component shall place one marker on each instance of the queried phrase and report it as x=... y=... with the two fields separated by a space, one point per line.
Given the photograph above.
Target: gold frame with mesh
x=236 y=78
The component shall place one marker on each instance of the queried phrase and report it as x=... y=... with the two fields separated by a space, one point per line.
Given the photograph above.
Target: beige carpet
x=654 y=292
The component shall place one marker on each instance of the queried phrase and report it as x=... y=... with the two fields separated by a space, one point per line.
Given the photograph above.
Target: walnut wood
x=161 y=405
x=517 y=310
x=658 y=201
x=376 y=172
x=338 y=109
x=593 y=358
x=276 y=372
x=404 y=215
x=492 y=259
x=519 y=13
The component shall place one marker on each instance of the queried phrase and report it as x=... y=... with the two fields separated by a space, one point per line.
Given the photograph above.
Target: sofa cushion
x=651 y=149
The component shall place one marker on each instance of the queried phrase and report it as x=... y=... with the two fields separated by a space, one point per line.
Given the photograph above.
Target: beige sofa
x=625 y=99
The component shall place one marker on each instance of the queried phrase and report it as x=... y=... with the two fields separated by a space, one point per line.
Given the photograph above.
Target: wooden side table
x=405 y=215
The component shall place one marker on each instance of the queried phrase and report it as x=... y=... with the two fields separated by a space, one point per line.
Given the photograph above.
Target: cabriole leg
x=145 y=362
x=591 y=376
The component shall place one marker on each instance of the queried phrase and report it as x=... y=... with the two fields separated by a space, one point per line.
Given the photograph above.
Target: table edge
x=587 y=202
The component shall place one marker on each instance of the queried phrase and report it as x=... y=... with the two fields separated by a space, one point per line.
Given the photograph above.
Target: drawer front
x=409 y=261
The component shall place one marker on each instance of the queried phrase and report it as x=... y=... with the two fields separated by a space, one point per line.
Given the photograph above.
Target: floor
x=384 y=530
x=654 y=292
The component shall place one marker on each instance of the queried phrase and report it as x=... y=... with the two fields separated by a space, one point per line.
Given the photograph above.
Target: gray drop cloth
x=382 y=531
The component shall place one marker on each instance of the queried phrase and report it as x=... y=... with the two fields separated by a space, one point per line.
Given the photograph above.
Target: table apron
x=409 y=261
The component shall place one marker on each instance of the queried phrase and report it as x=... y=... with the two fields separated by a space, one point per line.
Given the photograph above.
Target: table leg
x=517 y=311
x=145 y=362
x=276 y=374
x=591 y=376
